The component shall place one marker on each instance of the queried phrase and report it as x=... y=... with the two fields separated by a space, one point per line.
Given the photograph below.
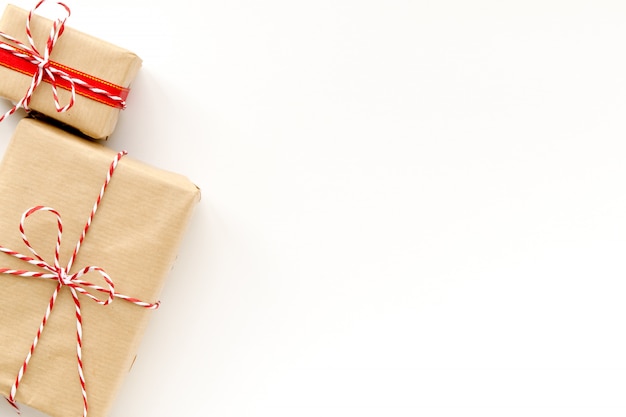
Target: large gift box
x=101 y=72
x=134 y=236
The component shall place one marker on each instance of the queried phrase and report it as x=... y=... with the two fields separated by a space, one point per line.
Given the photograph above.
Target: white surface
x=410 y=208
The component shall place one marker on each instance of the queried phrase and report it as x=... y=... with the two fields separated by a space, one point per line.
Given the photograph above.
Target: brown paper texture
x=76 y=50
x=134 y=236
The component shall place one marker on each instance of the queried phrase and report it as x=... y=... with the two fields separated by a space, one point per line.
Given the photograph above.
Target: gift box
x=134 y=236
x=101 y=72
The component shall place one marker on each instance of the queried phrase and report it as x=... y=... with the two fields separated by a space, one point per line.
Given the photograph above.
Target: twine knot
x=63 y=278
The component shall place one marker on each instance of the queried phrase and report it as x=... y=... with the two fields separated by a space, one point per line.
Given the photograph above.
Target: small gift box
x=62 y=73
x=87 y=239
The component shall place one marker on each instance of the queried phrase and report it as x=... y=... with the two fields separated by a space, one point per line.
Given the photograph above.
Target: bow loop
x=56 y=266
x=83 y=287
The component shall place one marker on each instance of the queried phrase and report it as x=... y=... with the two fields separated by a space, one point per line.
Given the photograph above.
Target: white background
x=410 y=208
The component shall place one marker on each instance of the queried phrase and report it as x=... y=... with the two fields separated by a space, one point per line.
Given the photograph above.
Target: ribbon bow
x=57 y=75
x=64 y=278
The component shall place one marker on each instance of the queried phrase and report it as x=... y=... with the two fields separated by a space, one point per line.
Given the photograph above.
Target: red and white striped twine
x=42 y=61
x=64 y=278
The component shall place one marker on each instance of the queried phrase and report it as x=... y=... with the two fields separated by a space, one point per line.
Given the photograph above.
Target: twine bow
x=64 y=278
x=42 y=61
x=47 y=70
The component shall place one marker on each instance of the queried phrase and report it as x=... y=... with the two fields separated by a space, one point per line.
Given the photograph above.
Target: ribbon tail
x=11 y=111
x=79 y=349
x=22 y=370
x=14 y=405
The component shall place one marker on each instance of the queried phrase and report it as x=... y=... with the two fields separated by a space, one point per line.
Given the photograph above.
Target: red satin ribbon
x=21 y=64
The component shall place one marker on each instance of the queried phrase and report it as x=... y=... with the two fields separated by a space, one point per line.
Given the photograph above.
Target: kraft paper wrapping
x=78 y=51
x=134 y=236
